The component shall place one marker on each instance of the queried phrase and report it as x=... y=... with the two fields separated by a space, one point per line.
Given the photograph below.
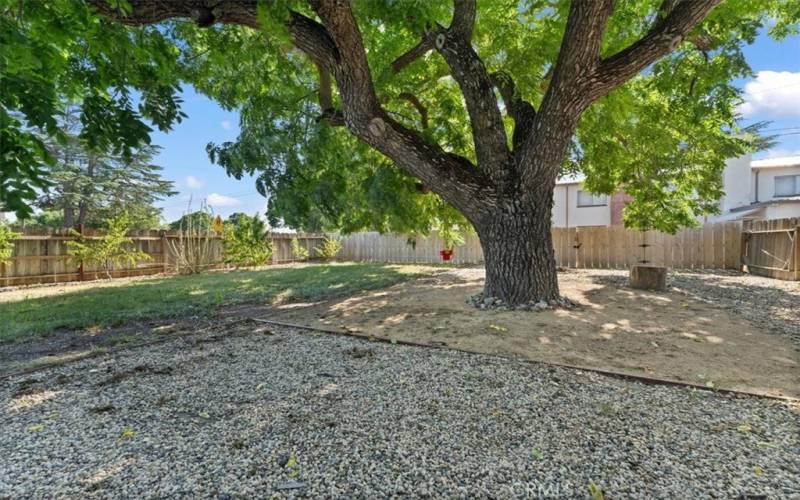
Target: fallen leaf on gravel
x=127 y=433
x=498 y=328
x=744 y=428
x=204 y=414
x=36 y=428
x=595 y=491
x=537 y=454
x=758 y=470
x=765 y=444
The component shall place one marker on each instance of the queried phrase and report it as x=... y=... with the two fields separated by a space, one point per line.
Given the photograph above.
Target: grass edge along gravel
x=198 y=294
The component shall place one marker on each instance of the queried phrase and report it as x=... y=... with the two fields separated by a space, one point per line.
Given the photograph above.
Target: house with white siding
x=754 y=189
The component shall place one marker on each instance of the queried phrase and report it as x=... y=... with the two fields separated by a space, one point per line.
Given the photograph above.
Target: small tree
x=329 y=248
x=299 y=251
x=7 y=237
x=246 y=243
x=109 y=250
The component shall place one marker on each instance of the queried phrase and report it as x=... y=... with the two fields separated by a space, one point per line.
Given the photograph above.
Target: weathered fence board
x=40 y=256
x=712 y=246
x=769 y=248
x=772 y=248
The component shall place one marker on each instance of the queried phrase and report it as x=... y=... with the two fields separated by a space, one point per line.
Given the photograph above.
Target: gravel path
x=769 y=303
x=296 y=413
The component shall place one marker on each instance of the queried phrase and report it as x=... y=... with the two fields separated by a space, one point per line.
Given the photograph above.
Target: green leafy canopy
x=663 y=137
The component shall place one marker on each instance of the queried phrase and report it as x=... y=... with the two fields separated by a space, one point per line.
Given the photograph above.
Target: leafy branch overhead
x=351 y=112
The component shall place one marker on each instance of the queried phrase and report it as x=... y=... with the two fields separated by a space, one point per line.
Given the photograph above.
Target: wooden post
x=797 y=253
x=80 y=267
x=164 y=251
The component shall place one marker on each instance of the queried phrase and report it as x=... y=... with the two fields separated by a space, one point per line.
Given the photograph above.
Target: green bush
x=246 y=243
x=329 y=248
x=108 y=250
x=299 y=251
x=7 y=237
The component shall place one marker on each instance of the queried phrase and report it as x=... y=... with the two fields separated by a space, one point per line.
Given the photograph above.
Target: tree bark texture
x=518 y=251
x=507 y=194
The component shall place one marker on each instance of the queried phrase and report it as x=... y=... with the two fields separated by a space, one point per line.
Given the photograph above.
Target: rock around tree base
x=482 y=302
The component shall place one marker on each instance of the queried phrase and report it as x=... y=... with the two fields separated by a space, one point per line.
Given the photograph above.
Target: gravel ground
x=768 y=303
x=292 y=413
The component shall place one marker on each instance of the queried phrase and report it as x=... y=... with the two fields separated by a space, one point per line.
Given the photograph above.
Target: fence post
x=80 y=267
x=164 y=252
x=797 y=253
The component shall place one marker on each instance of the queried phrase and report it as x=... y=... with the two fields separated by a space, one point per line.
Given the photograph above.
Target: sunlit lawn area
x=22 y=316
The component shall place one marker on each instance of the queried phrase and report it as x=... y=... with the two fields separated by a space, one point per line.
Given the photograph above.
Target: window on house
x=787 y=185
x=587 y=199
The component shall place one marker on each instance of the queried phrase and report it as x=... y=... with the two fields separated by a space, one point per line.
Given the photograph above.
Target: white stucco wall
x=766 y=181
x=737 y=181
x=783 y=211
x=567 y=194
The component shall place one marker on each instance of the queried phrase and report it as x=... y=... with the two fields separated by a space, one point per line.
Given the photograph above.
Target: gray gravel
x=768 y=303
x=301 y=414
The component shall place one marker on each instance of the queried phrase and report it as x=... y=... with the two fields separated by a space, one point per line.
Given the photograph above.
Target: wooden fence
x=769 y=248
x=713 y=246
x=772 y=248
x=41 y=256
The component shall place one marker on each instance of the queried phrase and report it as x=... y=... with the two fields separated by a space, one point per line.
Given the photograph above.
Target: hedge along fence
x=712 y=246
x=40 y=256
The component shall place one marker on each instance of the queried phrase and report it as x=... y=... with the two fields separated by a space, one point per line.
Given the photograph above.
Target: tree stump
x=649 y=277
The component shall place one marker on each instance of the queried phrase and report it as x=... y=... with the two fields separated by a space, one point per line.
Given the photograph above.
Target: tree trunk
x=69 y=217
x=518 y=251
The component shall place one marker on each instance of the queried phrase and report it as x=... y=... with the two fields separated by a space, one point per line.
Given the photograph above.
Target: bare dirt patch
x=665 y=335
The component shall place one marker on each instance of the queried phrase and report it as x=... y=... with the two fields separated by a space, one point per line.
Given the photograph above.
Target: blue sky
x=774 y=95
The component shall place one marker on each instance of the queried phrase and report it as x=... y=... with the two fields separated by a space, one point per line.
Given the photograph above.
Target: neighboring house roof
x=760 y=204
x=739 y=213
x=786 y=161
x=571 y=179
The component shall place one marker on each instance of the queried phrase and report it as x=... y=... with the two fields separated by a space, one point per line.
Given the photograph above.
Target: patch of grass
x=199 y=294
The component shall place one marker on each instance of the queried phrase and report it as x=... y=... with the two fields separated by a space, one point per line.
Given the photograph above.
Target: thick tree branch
x=313 y=39
x=518 y=108
x=468 y=70
x=335 y=46
x=451 y=176
x=566 y=97
x=423 y=47
x=662 y=38
x=241 y=12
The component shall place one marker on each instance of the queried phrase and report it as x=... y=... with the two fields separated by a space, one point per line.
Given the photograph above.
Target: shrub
x=108 y=250
x=299 y=251
x=246 y=242
x=329 y=248
x=194 y=249
x=7 y=237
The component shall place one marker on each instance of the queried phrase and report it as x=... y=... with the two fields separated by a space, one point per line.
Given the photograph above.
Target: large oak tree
x=484 y=105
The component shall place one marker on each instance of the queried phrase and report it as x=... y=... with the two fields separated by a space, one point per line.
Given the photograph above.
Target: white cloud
x=194 y=182
x=226 y=124
x=780 y=153
x=220 y=200
x=772 y=94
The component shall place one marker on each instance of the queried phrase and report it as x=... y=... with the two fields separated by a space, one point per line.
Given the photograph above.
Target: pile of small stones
x=482 y=302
